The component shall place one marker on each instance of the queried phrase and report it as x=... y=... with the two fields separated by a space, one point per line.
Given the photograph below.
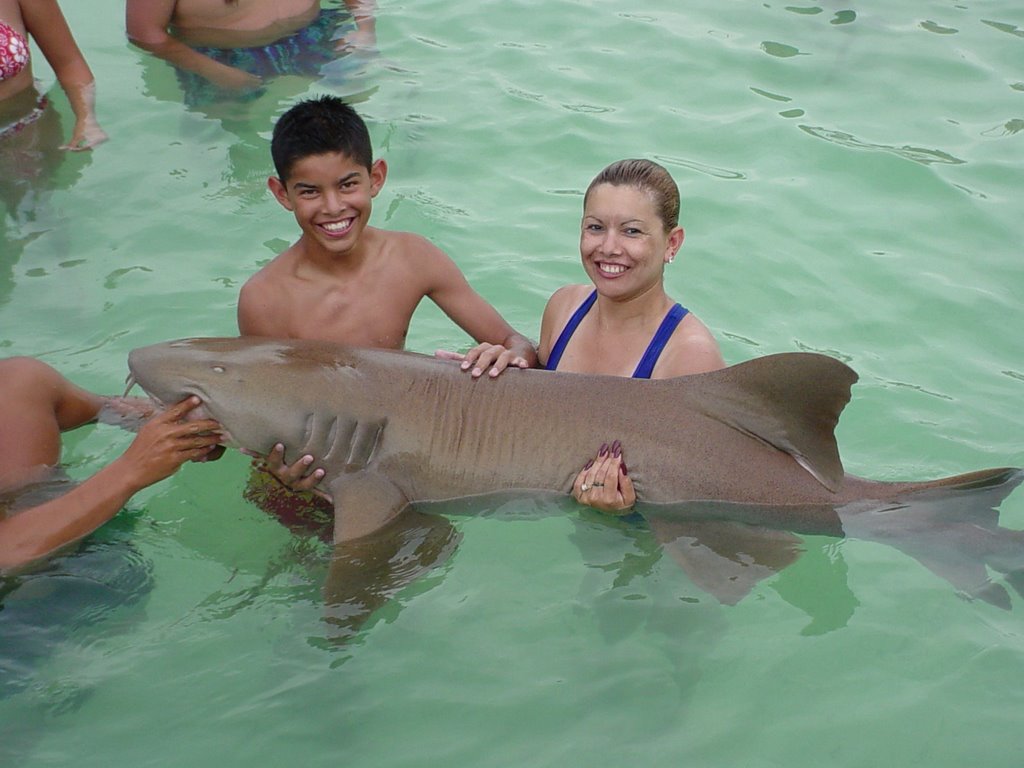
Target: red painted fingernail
x=622 y=469
x=604 y=450
x=589 y=464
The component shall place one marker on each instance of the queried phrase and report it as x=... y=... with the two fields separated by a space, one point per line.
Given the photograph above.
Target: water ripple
x=588 y=108
x=1009 y=128
x=770 y=95
x=710 y=170
x=938 y=29
x=781 y=50
x=917 y=154
x=812 y=10
x=1011 y=29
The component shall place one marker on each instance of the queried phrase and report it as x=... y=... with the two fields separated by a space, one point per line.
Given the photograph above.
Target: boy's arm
x=499 y=344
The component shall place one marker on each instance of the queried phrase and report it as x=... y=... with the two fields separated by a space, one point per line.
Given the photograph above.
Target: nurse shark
x=727 y=465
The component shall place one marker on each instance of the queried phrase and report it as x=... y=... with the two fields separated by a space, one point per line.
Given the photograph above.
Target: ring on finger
x=584 y=488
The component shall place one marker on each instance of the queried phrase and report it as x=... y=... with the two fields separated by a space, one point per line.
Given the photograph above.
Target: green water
x=851 y=179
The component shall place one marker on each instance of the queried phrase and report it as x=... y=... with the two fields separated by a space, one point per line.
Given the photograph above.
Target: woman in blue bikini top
x=625 y=324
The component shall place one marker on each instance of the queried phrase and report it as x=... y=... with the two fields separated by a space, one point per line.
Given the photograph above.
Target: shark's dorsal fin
x=791 y=401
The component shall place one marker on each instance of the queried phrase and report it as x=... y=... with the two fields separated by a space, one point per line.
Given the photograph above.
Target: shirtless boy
x=344 y=280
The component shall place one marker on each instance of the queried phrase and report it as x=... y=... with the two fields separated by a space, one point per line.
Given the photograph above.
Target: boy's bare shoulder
x=264 y=301
x=271 y=273
x=422 y=263
x=408 y=245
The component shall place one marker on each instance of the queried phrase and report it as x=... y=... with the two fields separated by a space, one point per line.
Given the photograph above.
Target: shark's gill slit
x=375 y=441
x=308 y=429
x=364 y=443
x=332 y=439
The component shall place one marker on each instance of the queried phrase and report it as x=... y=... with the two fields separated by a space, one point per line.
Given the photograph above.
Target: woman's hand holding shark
x=604 y=483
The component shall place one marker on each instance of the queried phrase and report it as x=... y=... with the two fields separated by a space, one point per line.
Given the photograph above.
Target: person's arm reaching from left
x=163 y=444
x=36 y=405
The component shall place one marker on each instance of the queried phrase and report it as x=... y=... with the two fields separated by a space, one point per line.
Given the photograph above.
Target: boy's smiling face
x=331 y=196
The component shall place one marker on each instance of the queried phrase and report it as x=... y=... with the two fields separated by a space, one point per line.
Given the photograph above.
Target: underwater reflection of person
x=228 y=50
x=32 y=165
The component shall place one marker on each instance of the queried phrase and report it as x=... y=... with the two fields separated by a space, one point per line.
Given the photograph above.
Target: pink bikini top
x=13 y=51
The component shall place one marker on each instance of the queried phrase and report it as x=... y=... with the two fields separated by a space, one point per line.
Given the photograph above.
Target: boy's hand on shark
x=296 y=476
x=167 y=441
x=604 y=483
x=493 y=358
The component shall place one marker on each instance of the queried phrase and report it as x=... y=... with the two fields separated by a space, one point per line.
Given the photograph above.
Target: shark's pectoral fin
x=725 y=558
x=364 y=502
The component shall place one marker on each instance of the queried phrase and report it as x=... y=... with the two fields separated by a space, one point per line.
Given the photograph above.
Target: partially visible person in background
x=228 y=48
x=36 y=404
x=21 y=104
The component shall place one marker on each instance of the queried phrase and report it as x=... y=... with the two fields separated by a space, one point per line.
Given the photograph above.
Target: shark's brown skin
x=394 y=428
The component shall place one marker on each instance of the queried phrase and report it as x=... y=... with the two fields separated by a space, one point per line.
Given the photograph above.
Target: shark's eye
x=218 y=369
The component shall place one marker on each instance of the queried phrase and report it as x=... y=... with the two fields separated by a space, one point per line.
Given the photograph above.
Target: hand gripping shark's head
x=248 y=385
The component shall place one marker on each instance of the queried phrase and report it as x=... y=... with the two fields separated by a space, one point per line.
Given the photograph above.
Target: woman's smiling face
x=623 y=241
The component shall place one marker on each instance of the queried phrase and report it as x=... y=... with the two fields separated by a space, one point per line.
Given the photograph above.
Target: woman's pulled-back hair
x=319 y=127
x=649 y=177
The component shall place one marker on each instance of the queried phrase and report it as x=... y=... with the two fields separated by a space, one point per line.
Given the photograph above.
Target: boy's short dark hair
x=318 y=127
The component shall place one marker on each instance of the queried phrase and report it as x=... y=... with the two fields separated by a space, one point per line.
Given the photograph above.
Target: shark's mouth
x=199 y=413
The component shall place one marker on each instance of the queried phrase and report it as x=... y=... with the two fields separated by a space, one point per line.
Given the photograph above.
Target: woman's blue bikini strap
x=645 y=367
x=568 y=331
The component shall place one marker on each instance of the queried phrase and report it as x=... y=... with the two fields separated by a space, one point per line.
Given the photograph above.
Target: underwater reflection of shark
x=954 y=532
x=728 y=465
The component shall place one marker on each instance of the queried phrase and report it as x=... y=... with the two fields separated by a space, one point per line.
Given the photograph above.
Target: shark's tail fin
x=951 y=526
x=995 y=483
